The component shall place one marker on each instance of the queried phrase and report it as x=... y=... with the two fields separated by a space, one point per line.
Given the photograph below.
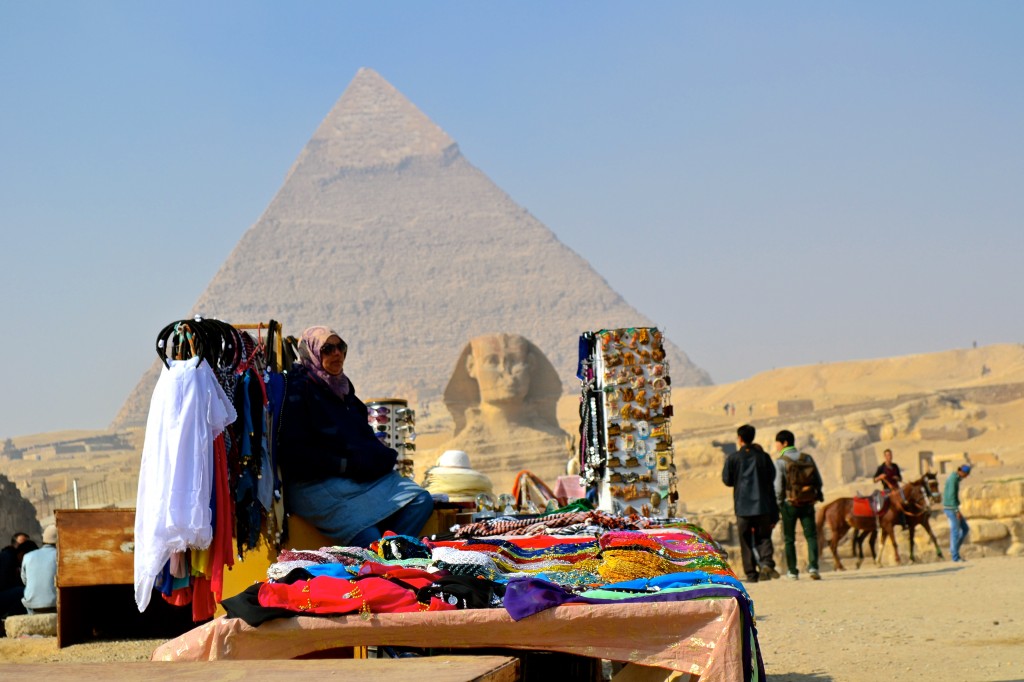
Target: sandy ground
x=938 y=621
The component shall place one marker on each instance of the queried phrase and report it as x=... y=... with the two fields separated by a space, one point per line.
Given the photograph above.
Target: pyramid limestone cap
x=372 y=126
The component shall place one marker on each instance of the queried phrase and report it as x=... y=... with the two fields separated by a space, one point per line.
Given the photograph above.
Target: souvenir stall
x=626 y=453
x=625 y=581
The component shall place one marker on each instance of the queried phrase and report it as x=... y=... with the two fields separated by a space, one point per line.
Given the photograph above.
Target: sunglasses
x=378 y=419
x=377 y=411
x=331 y=348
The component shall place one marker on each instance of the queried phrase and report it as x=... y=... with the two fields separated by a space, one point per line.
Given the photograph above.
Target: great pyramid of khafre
x=383 y=231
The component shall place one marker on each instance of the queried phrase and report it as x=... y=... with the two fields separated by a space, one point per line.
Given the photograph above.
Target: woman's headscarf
x=310 y=344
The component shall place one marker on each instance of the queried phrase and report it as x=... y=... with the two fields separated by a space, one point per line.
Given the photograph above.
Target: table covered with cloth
x=702 y=636
x=659 y=597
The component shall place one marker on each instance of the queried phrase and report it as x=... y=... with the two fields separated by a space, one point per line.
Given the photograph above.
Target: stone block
x=44 y=624
x=984 y=530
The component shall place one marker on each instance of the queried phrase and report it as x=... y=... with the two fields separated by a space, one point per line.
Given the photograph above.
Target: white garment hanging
x=189 y=409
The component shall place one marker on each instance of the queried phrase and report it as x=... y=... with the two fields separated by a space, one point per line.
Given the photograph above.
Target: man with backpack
x=797 y=487
x=750 y=473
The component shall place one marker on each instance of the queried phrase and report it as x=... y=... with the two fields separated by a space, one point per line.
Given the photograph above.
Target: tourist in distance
x=751 y=474
x=337 y=474
x=797 y=486
x=958 y=528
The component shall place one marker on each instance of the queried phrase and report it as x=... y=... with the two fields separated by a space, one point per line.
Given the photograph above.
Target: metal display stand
x=394 y=423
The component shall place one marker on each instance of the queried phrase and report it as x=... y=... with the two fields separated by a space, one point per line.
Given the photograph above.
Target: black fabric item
x=464 y=592
x=246 y=604
x=399 y=547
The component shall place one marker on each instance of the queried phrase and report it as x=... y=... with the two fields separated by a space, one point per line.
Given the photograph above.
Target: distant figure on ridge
x=750 y=473
x=503 y=396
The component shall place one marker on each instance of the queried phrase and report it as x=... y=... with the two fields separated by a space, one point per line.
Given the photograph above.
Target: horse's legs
x=910 y=539
x=858 y=545
x=839 y=530
x=928 y=527
x=891 y=531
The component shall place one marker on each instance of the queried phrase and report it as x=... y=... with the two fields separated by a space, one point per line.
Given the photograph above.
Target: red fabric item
x=324 y=594
x=203 y=604
x=221 y=553
x=179 y=597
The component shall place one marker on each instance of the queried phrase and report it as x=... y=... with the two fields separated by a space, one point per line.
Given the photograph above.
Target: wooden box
x=96 y=581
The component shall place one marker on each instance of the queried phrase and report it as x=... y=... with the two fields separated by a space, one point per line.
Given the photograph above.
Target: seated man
x=39 y=573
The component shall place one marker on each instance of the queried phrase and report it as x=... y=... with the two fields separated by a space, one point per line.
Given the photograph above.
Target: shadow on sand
x=855 y=574
x=799 y=677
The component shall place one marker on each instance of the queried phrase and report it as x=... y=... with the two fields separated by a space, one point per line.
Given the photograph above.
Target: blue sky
x=774 y=184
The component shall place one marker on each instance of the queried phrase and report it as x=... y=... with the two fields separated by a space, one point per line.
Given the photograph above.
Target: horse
x=913 y=501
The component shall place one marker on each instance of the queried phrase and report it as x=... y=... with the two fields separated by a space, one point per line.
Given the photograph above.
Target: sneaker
x=813 y=572
x=769 y=573
x=792 y=576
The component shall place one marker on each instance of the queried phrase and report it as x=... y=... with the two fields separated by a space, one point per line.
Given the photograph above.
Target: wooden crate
x=96 y=581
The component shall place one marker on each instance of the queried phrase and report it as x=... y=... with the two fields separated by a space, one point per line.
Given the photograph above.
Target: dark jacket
x=750 y=473
x=322 y=436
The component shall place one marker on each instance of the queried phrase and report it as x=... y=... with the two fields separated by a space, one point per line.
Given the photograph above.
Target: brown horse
x=913 y=502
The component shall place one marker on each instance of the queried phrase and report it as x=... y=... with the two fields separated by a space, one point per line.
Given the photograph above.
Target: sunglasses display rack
x=626 y=446
x=394 y=423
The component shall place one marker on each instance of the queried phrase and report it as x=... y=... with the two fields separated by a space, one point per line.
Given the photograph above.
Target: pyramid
x=383 y=231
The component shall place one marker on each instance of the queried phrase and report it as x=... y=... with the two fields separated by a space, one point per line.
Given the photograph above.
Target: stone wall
x=16 y=513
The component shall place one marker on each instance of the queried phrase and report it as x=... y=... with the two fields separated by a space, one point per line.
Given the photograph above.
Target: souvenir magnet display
x=625 y=447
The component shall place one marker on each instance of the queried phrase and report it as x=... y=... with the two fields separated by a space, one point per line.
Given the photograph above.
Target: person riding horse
x=840 y=516
x=888 y=474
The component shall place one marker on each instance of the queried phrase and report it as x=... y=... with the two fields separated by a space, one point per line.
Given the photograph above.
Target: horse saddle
x=872 y=505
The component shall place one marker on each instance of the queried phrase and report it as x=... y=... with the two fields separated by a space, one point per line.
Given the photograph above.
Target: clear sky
x=773 y=183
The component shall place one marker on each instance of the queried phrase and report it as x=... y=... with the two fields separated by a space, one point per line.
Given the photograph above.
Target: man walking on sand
x=797 y=486
x=958 y=528
x=751 y=474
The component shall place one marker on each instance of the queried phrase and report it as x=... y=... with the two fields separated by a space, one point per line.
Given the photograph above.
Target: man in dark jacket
x=750 y=473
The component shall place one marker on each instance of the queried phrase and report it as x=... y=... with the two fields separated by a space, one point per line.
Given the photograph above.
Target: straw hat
x=453 y=476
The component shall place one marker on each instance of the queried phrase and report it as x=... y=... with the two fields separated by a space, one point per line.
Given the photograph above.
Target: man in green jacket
x=958 y=527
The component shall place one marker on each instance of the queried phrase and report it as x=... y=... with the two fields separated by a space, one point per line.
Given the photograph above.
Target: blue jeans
x=409 y=520
x=958 y=530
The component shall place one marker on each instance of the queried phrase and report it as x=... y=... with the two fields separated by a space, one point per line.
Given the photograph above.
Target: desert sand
x=938 y=621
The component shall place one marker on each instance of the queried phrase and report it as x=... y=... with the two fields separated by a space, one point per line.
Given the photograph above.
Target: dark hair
x=24 y=548
x=785 y=437
x=14 y=538
x=746 y=434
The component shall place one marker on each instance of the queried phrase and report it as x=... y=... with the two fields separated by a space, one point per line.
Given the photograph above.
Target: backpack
x=801 y=480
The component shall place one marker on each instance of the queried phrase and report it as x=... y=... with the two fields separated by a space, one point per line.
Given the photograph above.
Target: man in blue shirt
x=958 y=527
x=39 y=573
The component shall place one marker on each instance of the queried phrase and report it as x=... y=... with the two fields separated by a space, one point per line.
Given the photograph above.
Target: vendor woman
x=337 y=474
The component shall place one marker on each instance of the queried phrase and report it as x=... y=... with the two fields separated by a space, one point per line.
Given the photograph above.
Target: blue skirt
x=341 y=507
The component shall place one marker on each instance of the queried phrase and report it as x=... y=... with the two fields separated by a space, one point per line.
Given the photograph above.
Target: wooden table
x=435 y=668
